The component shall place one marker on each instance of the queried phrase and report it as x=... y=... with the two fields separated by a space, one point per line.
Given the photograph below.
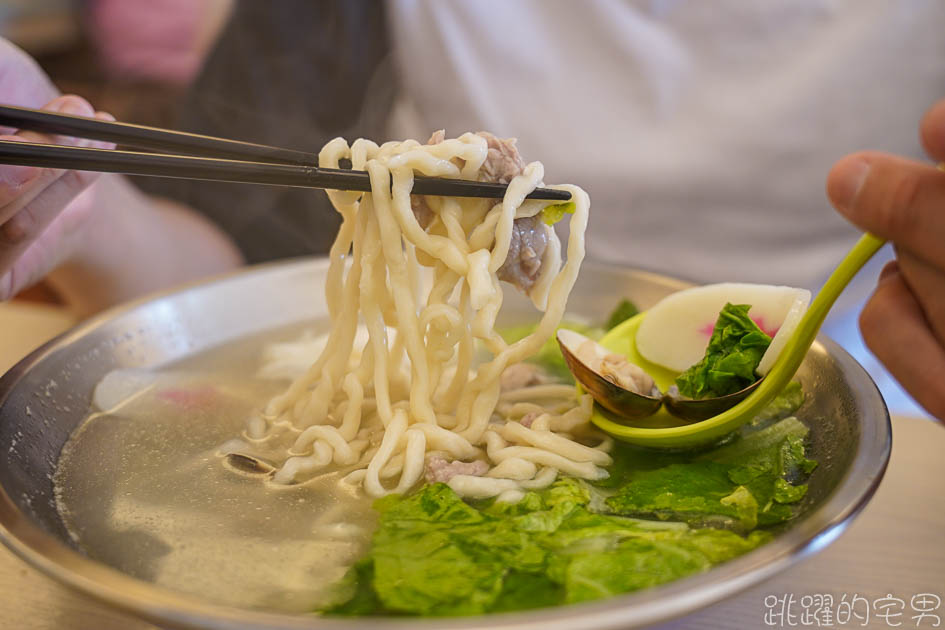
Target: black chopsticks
x=153 y=138
x=194 y=156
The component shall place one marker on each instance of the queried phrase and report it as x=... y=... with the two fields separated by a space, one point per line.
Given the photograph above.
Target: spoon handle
x=796 y=349
x=793 y=354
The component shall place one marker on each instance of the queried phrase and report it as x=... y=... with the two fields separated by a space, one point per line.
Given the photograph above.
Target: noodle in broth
x=413 y=393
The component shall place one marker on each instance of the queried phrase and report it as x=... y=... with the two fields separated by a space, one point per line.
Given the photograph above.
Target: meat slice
x=503 y=162
x=529 y=235
x=519 y=375
x=522 y=265
x=528 y=419
x=439 y=470
x=421 y=210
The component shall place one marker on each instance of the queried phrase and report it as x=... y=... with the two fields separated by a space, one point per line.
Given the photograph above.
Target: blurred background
x=133 y=58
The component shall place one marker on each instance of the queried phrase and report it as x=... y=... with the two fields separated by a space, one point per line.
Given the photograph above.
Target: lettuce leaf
x=698 y=493
x=785 y=404
x=549 y=355
x=435 y=555
x=621 y=313
x=748 y=483
x=732 y=356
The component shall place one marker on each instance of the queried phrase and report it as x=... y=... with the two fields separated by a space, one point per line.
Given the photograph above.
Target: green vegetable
x=624 y=311
x=555 y=212
x=549 y=355
x=358 y=597
x=435 y=555
x=785 y=404
x=784 y=492
x=731 y=358
x=699 y=493
x=740 y=486
x=767 y=461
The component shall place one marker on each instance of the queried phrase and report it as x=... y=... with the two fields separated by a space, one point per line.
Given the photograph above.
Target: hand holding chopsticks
x=192 y=156
x=32 y=238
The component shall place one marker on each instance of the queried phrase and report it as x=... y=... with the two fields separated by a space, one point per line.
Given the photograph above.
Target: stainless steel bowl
x=45 y=396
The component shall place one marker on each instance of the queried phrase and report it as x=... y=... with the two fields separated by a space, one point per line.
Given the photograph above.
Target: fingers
x=904 y=201
x=927 y=285
x=32 y=198
x=19 y=218
x=13 y=179
x=892 y=321
x=897 y=199
x=932 y=131
x=22 y=183
x=888 y=269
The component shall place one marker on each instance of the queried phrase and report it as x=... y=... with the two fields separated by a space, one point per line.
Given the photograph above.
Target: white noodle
x=383 y=406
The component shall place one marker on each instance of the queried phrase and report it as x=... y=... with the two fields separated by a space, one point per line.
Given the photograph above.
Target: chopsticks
x=193 y=156
x=142 y=137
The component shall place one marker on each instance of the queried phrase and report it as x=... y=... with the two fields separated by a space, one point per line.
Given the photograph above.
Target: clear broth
x=143 y=489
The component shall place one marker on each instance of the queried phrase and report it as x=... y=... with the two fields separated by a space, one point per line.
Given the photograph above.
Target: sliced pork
x=503 y=163
x=440 y=470
x=522 y=265
x=519 y=375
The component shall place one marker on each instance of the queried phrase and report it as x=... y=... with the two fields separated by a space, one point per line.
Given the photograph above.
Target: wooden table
x=896 y=546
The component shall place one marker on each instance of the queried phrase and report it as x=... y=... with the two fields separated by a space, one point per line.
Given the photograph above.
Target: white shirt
x=703 y=131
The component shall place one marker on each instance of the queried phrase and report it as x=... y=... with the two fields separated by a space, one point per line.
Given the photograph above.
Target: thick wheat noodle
x=570 y=420
x=514 y=468
x=499 y=450
x=544 y=478
x=538 y=392
x=385 y=407
x=395 y=465
x=514 y=432
x=521 y=409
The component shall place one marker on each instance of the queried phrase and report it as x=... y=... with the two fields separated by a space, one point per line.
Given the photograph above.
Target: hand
x=42 y=211
x=903 y=201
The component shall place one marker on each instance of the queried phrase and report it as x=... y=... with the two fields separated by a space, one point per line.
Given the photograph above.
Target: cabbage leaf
x=731 y=358
x=623 y=311
x=435 y=555
x=751 y=482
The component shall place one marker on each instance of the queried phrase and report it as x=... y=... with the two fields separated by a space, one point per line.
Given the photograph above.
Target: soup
x=143 y=489
x=147 y=488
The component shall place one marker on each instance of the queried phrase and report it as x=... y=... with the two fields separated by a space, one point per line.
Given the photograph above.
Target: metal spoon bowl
x=624 y=403
x=629 y=406
x=698 y=409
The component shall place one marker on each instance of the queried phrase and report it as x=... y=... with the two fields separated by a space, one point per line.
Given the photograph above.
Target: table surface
x=895 y=547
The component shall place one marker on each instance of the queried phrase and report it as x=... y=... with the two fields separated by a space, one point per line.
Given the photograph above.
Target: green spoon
x=659 y=431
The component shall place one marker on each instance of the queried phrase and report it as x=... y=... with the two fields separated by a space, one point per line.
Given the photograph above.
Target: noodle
x=413 y=391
